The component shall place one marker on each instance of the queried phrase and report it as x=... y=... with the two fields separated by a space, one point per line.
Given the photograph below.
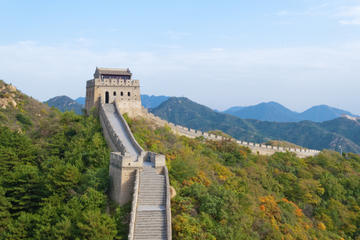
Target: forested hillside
x=326 y=135
x=53 y=174
x=225 y=192
x=54 y=182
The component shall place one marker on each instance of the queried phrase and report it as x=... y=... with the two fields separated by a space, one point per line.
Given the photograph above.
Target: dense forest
x=53 y=185
x=54 y=174
x=225 y=192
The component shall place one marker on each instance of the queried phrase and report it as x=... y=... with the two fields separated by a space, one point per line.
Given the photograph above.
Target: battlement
x=256 y=148
x=113 y=82
x=113 y=85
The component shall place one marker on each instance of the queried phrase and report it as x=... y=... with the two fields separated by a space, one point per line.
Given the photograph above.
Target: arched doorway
x=106 y=97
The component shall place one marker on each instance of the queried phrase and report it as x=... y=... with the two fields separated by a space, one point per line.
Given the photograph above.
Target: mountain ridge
x=330 y=134
x=65 y=103
x=273 y=111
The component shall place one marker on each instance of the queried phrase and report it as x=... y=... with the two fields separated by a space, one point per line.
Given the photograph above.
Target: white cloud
x=298 y=77
x=349 y=15
x=175 y=35
x=345 y=15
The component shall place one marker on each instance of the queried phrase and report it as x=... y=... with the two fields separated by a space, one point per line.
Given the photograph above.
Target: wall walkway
x=137 y=176
x=255 y=147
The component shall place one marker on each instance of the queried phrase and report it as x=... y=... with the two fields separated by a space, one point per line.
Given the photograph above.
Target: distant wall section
x=255 y=147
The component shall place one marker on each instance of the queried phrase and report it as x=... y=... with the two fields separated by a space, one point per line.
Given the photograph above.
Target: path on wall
x=119 y=128
x=150 y=213
x=151 y=209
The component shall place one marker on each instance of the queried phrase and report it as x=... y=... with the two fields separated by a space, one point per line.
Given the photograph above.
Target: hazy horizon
x=297 y=53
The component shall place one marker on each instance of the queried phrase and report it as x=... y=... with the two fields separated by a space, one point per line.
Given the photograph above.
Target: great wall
x=136 y=175
x=256 y=148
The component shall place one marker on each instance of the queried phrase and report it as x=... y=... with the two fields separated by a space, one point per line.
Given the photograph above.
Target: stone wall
x=134 y=205
x=126 y=92
x=110 y=135
x=255 y=147
x=168 y=204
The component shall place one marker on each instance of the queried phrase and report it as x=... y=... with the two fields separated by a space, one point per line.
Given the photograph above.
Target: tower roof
x=112 y=71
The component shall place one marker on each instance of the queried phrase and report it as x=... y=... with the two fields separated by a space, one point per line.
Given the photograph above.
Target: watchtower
x=113 y=84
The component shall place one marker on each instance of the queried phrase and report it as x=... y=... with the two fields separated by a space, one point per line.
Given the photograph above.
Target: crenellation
x=113 y=85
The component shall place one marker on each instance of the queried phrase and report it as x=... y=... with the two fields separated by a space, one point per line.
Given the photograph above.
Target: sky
x=299 y=53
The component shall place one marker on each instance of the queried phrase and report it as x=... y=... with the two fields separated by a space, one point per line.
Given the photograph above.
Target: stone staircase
x=150 y=220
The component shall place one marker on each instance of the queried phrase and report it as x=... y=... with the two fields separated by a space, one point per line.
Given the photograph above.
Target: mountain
x=233 y=110
x=152 y=101
x=323 y=113
x=21 y=112
x=64 y=103
x=276 y=112
x=270 y=111
x=326 y=135
x=81 y=101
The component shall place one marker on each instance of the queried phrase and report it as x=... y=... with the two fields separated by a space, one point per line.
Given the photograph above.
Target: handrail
x=168 y=204
x=134 y=205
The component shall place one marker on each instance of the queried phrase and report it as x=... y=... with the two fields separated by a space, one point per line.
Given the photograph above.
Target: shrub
x=23 y=119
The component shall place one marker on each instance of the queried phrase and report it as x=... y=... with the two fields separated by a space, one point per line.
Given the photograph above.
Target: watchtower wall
x=117 y=87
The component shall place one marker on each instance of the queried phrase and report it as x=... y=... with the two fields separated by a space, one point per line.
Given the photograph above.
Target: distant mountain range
x=344 y=131
x=64 y=103
x=259 y=123
x=270 y=111
x=152 y=101
x=81 y=101
x=276 y=112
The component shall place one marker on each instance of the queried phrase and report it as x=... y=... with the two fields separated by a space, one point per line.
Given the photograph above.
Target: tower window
x=129 y=94
x=114 y=93
x=122 y=94
x=106 y=97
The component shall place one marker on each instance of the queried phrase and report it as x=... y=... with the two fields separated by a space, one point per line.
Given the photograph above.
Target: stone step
x=152 y=177
x=147 y=198
x=153 y=202
x=151 y=196
x=153 y=183
x=147 y=237
x=151 y=224
x=154 y=191
x=148 y=190
x=145 y=179
x=144 y=225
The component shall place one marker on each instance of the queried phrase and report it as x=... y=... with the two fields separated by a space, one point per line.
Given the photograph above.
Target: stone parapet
x=110 y=135
x=129 y=133
x=157 y=159
x=134 y=204
x=168 y=204
x=113 y=83
x=255 y=147
x=119 y=160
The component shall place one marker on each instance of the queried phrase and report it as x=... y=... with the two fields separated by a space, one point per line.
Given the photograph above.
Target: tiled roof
x=113 y=71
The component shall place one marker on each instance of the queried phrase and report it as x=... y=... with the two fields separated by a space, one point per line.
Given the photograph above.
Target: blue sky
x=219 y=53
